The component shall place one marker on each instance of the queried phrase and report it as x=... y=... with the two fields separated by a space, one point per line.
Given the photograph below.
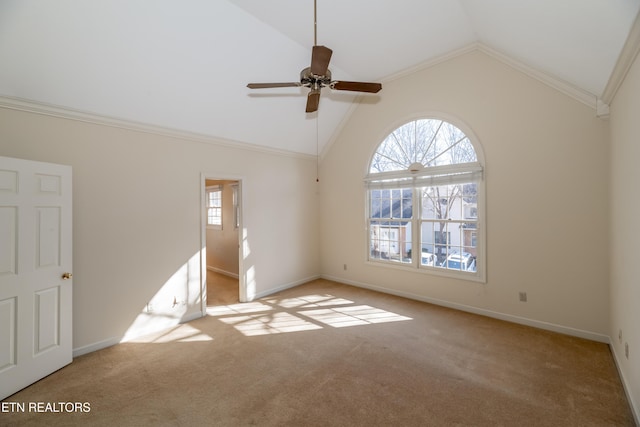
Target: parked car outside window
x=428 y=259
x=464 y=261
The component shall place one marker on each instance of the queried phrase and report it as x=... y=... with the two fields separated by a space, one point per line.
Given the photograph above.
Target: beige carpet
x=325 y=354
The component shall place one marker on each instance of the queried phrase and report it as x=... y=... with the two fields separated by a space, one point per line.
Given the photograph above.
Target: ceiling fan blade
x=320 y=57
x=313 y=100
x=356 y=86
x=270 y=85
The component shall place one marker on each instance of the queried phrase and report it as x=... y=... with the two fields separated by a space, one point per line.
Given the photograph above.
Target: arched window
x=425 y=201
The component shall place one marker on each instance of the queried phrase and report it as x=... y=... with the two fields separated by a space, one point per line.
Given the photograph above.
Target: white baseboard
x=117 y=340
x=483 y=312
x=96 y=346
x=191 y=316
x=625 y=385
x=286 y=286
x=224 y=272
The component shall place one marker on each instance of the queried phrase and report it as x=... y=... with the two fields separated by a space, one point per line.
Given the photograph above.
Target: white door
x=35 y=271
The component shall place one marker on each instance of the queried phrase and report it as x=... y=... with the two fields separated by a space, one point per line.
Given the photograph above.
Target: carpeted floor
x=325 y=354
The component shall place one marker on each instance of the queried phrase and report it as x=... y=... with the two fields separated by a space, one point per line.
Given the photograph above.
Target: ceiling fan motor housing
x=308 y=79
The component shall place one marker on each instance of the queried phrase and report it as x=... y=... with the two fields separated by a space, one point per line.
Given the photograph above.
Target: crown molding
x=19 y=104
x=556 y=83
x=625 y=61
x=571 y=90
x=431 y=63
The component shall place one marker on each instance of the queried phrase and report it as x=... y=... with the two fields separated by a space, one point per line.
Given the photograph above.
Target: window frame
x=214 y=189
x=235 y=189
x=459 y=173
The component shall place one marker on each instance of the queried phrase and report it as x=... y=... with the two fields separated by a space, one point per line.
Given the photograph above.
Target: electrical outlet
x=345 y=267
x=626 y=350
x=523 y=296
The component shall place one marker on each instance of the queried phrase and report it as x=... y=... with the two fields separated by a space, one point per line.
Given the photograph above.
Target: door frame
x=242 y=284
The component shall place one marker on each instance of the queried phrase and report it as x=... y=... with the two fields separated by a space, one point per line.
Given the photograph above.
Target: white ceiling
x=184 y=65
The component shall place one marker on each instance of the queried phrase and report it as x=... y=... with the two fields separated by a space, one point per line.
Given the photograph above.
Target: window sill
x=477 y=277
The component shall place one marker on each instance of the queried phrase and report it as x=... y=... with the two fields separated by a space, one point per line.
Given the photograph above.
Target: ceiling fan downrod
x=315 y=23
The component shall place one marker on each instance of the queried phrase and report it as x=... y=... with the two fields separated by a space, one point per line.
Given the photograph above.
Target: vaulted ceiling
x=184 y=65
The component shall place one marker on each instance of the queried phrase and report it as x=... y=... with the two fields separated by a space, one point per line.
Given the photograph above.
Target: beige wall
x=625 y=230
x=222 y=244
x=547 y=168
x=137 y=219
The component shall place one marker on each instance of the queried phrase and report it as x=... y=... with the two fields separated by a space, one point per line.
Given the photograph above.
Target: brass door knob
x=67 y=276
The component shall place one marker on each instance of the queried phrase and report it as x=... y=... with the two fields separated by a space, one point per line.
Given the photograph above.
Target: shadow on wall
x=177 y=301
x=181 y=299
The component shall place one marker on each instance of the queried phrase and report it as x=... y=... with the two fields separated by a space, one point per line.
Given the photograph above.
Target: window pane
x=448 y=201
x=427 y=141
x=214 y=206
x=393 y=203
x=390 y=240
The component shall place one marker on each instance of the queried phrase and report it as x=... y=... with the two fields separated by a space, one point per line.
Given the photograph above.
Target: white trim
x=625 y=60
x=44 y=109
x=469 y=276
x=569 y=89
x=284 y=287
x=475 y=310
x=223 y=272
x=109 y=342
x=203 y=244
x=90 y=348
x=431 y=63
x=602 y=109
x=188 y=318
x=563 y=86
x=635 y=409
x=428 y=171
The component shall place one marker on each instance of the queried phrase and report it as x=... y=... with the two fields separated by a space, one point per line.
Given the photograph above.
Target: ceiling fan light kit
x=318 y=75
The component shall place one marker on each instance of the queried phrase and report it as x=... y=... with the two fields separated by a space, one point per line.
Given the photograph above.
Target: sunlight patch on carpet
x=305 y=313
x=310 y=301
x=241 y=308
x=275 y=323
x=341 y=317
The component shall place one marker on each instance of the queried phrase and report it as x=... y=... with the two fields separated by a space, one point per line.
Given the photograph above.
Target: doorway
x=222 y=258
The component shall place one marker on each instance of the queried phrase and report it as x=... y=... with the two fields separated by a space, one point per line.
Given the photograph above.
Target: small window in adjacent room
x=236 y=205
x=425 y=197
x=214 y=206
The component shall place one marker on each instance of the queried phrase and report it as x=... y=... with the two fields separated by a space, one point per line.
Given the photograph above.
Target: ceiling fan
x=318 y=75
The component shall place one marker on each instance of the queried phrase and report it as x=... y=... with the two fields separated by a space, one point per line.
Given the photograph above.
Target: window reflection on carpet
x=310 y=312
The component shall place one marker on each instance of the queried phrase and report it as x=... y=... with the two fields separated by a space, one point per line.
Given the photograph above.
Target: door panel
x=7 y=333
x=48 y=237
x=35 y=254
x=47 y=316
x=8 y=227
